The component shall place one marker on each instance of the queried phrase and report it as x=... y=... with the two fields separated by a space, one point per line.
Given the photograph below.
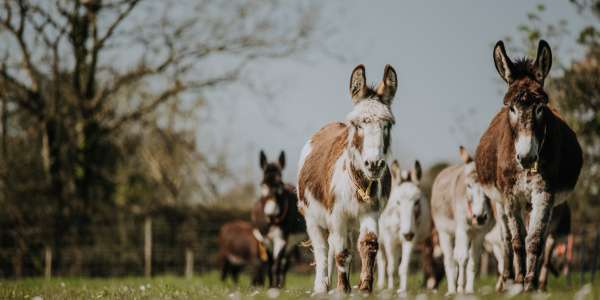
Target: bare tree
x=97 y=94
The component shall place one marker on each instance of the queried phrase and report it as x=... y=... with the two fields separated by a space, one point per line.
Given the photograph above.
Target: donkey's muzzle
x=375 y=166
x=409 y=236
x=526 y=161
x=479 y=219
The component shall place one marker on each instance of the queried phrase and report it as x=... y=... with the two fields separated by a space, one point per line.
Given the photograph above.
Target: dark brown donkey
x=278 y=224
x=238 y=247
x=527 y=158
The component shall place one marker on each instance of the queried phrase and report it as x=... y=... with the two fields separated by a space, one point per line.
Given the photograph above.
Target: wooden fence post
x=594 y=256
x=48 y=262
x=148 y=247
x=581 y=258
x=189 y=263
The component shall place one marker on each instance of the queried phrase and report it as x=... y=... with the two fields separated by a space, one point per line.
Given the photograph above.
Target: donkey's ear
x=263 y=160
x=396 y=173
x=282 y=160
x=543 y=62
x=416 y=173
x=388 y=86
x=358 y=84
x=503 y=64
x=466 y=158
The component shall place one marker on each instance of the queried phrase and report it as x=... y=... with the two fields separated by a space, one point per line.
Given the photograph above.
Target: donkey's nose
x=481 y=218
x=526 y=161
x=409 y=236
x=374 y=166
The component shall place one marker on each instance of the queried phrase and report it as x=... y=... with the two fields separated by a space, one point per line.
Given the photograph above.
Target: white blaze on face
x=372 y=142
x=526 y=145
x=407 y=195
x=271 y=208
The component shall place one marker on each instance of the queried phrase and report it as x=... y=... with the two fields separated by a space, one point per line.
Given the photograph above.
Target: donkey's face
x=271 y=186
x=371 y=121
x=407 y=195
x=479 y=205
x=525 y=100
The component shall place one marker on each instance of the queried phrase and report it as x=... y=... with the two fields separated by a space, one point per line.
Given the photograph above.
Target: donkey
x=239 y=247
x=277 y=221
x=344 y=181
x=433 y=259
x=558 y=229
x=527 y=158
x=462 y=215
x=404 y=222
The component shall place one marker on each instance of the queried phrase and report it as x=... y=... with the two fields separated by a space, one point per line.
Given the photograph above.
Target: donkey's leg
x=407 y=248
x=543 y=274
x=447 y=245
x=514 y=213
x=381 y=265
x=279 y=245
x=318 y=235
x=461 y=255
x=343 y=256
x=389 y=256
x=367 y=245
x=535 y=242
x=474 y=258
x=330 y=259
x=507 y=273
x=498 y=254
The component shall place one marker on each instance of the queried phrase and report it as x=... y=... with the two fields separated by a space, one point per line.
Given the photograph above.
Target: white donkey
x=463 y=216
x=404 y=222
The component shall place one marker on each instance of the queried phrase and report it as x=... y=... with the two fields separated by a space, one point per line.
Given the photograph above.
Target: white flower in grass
x=37 y=298
x=125 y=288
x=583 y=292
x=62 y=284
x=142 y=288
x=148 y=285
x=273 y=293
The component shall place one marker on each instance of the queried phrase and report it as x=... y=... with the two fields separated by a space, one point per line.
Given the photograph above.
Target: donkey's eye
x=511 y=109
x=539 y=110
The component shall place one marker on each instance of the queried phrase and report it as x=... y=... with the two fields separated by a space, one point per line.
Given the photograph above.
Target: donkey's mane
x=524 y=66
x=371 y=91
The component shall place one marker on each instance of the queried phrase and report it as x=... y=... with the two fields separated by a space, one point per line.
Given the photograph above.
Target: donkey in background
x=527 y=158
x=462 y=215
x=404 y=222
x=278 y=224
x=238 y=247
x=344 y=181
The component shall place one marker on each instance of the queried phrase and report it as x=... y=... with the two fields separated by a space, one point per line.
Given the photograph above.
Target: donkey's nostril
x=366 y=163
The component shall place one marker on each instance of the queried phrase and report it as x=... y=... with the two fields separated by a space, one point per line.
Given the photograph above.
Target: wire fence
x=119 y=250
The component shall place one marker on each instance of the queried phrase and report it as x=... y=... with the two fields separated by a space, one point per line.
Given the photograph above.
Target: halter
x=364 y=194
x=282 y=216
x=534 y=169
x=469 y=207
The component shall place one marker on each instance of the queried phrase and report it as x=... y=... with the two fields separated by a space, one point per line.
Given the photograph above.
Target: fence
x=148 y=247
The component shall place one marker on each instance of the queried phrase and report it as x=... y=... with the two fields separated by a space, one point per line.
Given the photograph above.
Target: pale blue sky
x=442 y=52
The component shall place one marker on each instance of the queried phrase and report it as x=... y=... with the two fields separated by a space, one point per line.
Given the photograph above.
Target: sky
x=448 y=87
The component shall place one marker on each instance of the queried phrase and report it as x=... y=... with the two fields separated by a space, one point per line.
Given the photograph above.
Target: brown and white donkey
x=527 y=158
x=344 y=181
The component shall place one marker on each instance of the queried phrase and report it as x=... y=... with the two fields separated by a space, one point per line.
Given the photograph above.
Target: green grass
x=208 y=285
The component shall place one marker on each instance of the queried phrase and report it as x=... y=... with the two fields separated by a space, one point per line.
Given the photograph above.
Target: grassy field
x=209 y=286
